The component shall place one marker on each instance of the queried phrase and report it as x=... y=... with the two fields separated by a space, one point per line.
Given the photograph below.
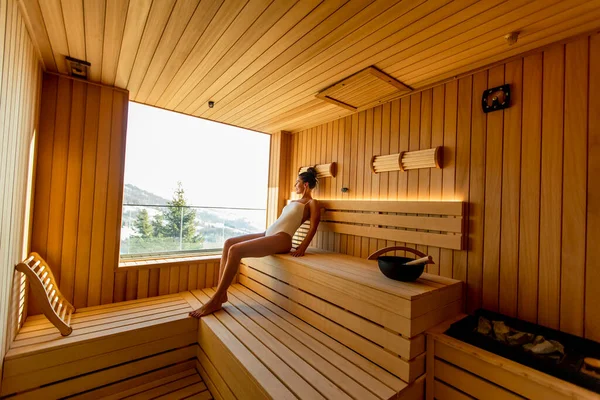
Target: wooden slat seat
x=322 y=326
x=126 y=338
x=285 y=356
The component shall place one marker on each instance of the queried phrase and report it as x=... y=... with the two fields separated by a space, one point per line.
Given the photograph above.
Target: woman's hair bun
x=310 y=177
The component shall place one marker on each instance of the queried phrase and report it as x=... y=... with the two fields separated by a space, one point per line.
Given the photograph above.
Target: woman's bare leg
x=230 y=242
x=260 y=247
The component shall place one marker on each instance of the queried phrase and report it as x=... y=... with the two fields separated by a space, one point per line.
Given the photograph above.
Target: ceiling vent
x=365 y=89
x=77 y=68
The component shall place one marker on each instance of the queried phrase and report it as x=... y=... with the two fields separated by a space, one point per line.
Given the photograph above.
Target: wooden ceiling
x=263 y=61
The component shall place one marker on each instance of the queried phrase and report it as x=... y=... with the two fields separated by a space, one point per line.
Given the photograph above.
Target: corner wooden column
x=279 y=175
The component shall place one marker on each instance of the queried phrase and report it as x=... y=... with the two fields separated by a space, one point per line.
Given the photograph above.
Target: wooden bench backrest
x=429 y=223
x=45 y=291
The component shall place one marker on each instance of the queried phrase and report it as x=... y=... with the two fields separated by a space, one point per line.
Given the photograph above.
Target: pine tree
x=158 y=229
x=180 y=220
x=142 y=225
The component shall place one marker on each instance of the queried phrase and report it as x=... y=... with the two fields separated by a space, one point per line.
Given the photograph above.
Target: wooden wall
x=529 y=173
x=78 y=200
x=20 y=80
x=279 y=184
x=79 y=186
x=170 y=276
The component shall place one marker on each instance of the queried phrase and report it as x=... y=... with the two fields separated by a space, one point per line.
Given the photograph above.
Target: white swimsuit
x=289 y=221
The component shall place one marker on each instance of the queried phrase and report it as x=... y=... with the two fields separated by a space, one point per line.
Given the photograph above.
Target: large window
x=190 y=183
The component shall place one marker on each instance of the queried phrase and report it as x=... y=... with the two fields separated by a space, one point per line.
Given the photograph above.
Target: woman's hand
x=299 y=252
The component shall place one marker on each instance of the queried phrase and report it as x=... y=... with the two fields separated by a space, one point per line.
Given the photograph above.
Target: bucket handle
x=391 y=248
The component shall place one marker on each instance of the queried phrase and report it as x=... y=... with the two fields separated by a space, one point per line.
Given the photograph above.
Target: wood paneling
x=263 y=61
x=77 y=210
x=78 y=197
x=529 y=174
x=20 y=87
x=279 y=184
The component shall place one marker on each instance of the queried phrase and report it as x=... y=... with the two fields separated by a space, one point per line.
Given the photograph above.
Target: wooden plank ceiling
x=263 y=61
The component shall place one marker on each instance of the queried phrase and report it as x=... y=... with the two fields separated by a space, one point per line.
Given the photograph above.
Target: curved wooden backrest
x=45 y=292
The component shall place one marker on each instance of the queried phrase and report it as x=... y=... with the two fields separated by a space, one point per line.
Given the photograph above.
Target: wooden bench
x=109 y=343
x=458 y=370
x=322 y=326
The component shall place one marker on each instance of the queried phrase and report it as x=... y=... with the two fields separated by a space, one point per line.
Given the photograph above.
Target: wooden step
x=173 y=382
x=306 y=362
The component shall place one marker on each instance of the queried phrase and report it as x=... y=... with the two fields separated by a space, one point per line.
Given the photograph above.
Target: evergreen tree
x=142 y=225
x=158 y=228
x=181 y=220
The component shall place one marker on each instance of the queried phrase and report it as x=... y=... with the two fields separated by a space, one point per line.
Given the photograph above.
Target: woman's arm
x=315 y=218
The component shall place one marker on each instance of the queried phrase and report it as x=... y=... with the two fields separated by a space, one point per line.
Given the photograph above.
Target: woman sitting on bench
x=276 y=240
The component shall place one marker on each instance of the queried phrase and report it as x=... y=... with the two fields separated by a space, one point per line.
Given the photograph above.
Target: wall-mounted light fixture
x=323 y=170
x=430 y=158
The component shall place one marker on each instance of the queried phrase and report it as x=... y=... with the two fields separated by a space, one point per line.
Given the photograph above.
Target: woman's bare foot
x=213 y=305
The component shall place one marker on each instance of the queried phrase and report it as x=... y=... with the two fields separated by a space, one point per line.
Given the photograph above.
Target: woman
x=277 y=239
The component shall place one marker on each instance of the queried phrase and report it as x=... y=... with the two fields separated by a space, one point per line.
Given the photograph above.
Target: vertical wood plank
x=131 y=289
x=184 y=271
x=449 y=171
x=163 y=280
x=493 y=196
x=114 y=203
x=413 y=144
x=475 y=218
x=394 y=147
x=436 y=176
x=210 y=274
x=574 y=188
x=353 y=182
x=193 y=277
x=73 y=190
x=529 y=218
x=119 y=287
x=360 y=172
x=100 y=193
x=425 y=143
x=59 y=177
x=174 y=279
x=86 y=196
x=463 y=156
x=384 y=179
x=511 y=176
x=43 y=174
x=366 y=243
x=592 y=266
x=332 y=145
x=551 y=187
x=201 y=276
x=143 y=283
x=154 y=282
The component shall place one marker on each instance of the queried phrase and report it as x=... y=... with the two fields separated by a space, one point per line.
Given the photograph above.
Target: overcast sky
x=218 y=165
